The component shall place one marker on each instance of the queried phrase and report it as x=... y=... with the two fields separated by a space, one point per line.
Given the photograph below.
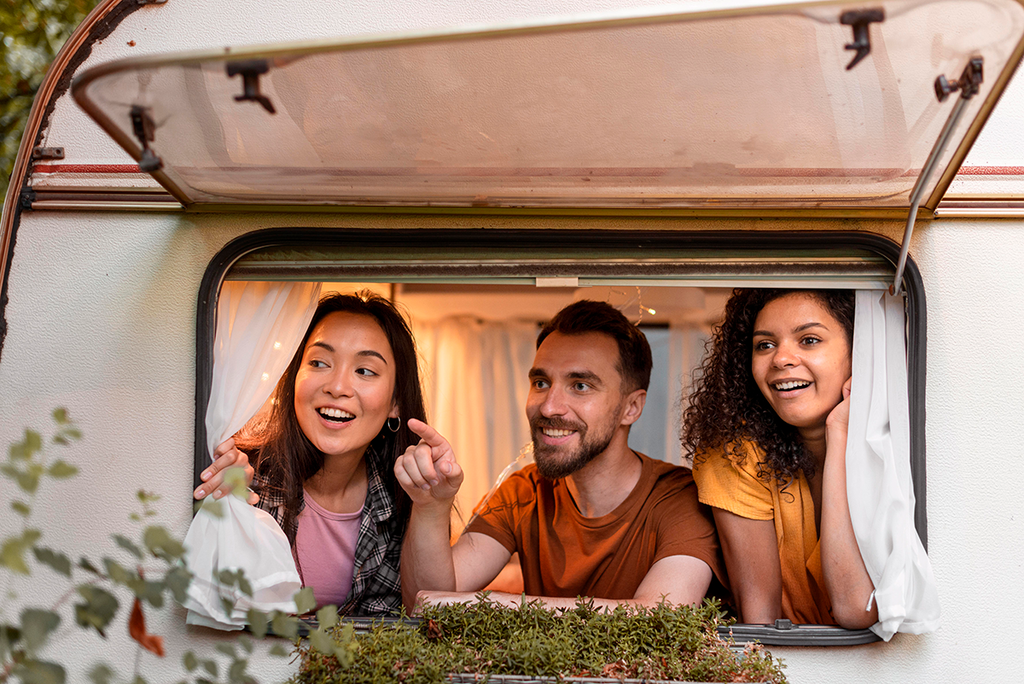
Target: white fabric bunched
x=879 y=486
x=259 y=327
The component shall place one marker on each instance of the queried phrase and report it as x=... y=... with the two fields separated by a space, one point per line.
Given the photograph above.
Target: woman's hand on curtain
x=428 y=471
x=225 y=456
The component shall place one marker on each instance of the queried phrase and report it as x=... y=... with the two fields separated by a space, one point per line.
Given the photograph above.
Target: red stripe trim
x=991 y=171
x=86 y=168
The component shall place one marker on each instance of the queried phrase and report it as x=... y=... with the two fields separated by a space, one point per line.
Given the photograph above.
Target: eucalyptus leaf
x=237 y=672
x=61 y=470
x=87 y=565
x=211 y=667
x=327 y=617
x=245 y=643
x=257 y=620
x=127 y=544
x=177 y=580
x=116 y=572
x=40 y=672
x=60 y=415
x=21 y=508
x=36 y=627
x=304 y=601
x=12 y=552
x=101 y=674
x=285 y=626
x=161 y=544
x=98 y=610
x=322 y=642
x=243 y=584
x=54 y=559
x=190 y=661
x=226 y=649
x=279 y=651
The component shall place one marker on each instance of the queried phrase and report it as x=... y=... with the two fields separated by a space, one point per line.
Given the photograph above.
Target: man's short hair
x=586 y=316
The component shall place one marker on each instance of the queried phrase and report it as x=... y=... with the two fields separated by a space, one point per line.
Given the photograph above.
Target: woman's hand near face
x=428 y=471
x=225 y=456
x=838 y=420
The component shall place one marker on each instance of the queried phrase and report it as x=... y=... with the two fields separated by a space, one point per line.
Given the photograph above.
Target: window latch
x=251 y=70
x=860 y=20
x=145 y=130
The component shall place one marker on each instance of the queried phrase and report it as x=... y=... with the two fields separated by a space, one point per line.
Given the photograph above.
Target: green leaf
x=27 y=479
x=245 y=643
x=54 y=559
x=327 y=617
x=87 y=565
x=227 y=577
x=62 y=470
x=211 y=667
x=243 y=584
x=177 y=580
x=39 y=672
x=21 y=508
x=150 y=592
x=161 y=544
x=279 y=651
x=226 y=649
x=60 y=415
x=98 y=610
x=304 y=601
x=209 y=506
x=190 y=661
x=101 y=674
x=257 y=620
x=126 y=544
x=237 y=674
x=36 y=626
x=12 y=553
x=227 y=605
x=321 y=641
x=147 y=498
x=285 y=625
x=25 y=449
x=116 y=572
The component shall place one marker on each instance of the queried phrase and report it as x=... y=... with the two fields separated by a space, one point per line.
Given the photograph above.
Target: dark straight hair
x=286 y=458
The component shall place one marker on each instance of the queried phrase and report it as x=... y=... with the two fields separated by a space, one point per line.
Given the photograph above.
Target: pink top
x=325 y=547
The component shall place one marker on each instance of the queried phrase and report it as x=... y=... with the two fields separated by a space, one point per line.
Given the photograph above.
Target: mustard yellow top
x=735 y=487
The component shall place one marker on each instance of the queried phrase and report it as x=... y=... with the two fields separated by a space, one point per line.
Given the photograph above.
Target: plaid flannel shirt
x=376 y=583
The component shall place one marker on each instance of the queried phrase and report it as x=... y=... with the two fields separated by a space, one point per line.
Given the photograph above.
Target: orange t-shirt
x=734 y=487
x=566 y=554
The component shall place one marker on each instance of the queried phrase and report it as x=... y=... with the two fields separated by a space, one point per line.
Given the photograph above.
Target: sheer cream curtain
x=475 y=377
x=879 y=487
x=259 y=327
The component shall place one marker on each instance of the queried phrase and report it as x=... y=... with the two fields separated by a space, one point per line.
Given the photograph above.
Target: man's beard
x=549 y=465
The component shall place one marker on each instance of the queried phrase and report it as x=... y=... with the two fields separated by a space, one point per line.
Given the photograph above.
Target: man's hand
x=226 y=456
x=428 y=471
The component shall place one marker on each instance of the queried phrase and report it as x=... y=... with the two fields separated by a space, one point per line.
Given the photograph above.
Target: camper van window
x=475 y=303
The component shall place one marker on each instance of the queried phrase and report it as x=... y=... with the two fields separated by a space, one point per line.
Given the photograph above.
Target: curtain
x=259 y=327
x=879 y=487
x=475 y=378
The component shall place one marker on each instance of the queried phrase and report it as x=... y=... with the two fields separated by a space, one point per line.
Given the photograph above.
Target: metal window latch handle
x=968 y=84
x=860 y=20
x=251 y=70
x=145 y=130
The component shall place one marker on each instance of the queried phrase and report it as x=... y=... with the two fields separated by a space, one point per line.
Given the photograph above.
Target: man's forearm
x=427 y=553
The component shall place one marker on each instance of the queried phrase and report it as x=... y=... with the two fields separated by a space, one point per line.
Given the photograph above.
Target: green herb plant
x=150 y=570
x=487 y=639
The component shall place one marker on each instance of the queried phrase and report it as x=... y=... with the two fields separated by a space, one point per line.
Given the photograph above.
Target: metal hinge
x=40 y=152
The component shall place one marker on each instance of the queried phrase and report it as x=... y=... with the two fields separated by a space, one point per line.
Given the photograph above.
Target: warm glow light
x=277 y=345
x=266 y=376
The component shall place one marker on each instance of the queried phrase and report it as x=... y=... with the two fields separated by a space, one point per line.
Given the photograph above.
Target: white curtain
x=475 y=380
x=879 y=486
x=259 y=327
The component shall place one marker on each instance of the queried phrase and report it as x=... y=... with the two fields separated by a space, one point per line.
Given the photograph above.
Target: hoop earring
x=398 y=423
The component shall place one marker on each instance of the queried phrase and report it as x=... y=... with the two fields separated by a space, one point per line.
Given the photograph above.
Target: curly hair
x=726 y=408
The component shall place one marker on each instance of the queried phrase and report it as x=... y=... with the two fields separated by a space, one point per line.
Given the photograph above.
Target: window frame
x=559 y=242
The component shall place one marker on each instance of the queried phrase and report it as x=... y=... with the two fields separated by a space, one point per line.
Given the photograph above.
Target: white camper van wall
x=259 y=327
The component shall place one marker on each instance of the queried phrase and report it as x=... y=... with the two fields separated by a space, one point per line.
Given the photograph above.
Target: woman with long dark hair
x=324 y=458
x=766 y=427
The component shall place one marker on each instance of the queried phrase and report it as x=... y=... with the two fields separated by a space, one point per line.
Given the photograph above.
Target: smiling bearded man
x=592 y=517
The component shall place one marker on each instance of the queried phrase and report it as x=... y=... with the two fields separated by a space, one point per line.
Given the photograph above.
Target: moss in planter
x=662 y=643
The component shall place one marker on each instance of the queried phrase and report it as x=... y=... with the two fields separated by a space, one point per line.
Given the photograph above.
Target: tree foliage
x=33 y=33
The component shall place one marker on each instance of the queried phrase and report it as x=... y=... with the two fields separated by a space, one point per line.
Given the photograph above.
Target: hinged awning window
x=705 y=105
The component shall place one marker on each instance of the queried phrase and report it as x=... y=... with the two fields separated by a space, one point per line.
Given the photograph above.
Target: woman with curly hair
x=766 y=427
